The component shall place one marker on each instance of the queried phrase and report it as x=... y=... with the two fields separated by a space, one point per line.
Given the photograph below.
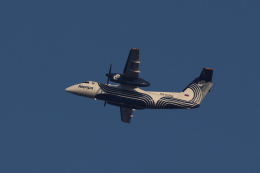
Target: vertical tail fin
x=199 y=87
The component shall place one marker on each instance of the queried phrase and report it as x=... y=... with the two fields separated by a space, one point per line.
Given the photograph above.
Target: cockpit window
x=86 y=82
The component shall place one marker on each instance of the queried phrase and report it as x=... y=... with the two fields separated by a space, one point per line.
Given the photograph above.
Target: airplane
x=129 y=97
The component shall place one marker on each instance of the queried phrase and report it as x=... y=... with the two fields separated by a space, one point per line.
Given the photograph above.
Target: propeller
x=108 y=75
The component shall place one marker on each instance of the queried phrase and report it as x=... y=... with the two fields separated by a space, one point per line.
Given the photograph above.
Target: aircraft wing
x=126 y=114
x=132 y=65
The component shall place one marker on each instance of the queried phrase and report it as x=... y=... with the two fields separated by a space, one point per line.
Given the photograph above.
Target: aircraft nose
x=69 y=89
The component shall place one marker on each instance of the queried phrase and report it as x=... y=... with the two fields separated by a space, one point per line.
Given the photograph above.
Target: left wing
x=126 y=114
x=132 y=65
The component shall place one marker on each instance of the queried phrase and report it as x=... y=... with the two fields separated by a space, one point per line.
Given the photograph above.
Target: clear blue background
x=46 y=46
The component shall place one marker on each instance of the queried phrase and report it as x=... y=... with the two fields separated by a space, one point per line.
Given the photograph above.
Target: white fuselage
x=132 y=96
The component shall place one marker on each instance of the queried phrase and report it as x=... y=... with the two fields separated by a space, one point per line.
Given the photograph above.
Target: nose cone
x=69 y=89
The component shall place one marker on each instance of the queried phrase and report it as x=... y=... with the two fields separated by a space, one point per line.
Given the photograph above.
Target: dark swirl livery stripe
x=173 y=103
x=143 y=100
x=130 y=97
x=197 y=97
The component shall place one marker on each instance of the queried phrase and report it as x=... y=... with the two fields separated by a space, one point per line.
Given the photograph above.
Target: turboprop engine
x=120 y=78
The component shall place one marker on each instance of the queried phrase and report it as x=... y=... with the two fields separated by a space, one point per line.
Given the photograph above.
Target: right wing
x=126 y=114
x=132 y=65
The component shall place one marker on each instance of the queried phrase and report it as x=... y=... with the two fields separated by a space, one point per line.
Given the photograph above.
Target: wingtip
x=208 y=68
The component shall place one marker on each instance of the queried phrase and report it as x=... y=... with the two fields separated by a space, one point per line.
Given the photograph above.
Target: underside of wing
x=126 y=114
x=132 y=65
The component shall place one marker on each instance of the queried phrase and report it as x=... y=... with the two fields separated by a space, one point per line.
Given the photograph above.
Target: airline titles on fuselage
x=85 y=87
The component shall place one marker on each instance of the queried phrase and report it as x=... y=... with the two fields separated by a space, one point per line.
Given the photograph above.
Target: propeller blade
x=108 y=75
x=107 y=80
x=110 y=68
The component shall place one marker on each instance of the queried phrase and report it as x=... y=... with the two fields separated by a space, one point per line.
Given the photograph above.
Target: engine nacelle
x=120 y=78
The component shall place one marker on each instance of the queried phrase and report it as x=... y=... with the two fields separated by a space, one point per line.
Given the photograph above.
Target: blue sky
x=46 y=46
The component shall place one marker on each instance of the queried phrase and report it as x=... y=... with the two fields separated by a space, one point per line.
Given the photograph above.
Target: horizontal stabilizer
x=206 y=74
